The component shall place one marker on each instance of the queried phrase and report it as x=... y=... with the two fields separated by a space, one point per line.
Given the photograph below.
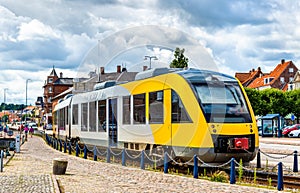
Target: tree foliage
x=270 y=101
x=180 y=60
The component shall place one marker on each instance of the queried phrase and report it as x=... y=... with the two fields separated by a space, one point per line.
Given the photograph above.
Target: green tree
x=254 y=97
x=180 y=60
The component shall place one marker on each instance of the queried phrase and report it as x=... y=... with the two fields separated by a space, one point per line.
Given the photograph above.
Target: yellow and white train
x=184 y=112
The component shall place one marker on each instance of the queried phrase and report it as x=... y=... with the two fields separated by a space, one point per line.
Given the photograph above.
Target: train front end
x=228 y=128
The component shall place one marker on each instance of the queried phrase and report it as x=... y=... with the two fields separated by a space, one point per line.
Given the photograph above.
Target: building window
x=179 y=113
x=282 y=80
x=50 y=80
x=291 y=79
x=102 y=116
x=266 y=80
x=156 y=107
x=291 y=70
x=75 y=114
x=126 y=110
x=49 y=99
x=139 y=111
x=84 y=116
x=50 y=89
x=92 y=116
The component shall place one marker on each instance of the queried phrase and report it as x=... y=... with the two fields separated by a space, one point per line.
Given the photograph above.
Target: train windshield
x=222 y=102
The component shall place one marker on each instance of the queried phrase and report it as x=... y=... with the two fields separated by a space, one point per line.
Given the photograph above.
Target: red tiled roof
x=259 y=82
x=242 y=76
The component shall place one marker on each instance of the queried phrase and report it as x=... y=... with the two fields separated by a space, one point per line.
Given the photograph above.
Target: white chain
x=115 y=154
x=131 y=157
x=273 y=157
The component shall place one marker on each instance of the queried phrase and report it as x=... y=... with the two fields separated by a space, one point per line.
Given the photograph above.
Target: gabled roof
x=53 y=73
x=242 y=76
x=247 y=78
x=275 y=74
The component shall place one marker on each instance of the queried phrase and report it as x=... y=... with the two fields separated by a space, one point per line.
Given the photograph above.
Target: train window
x=92 y=116
x=61 y=119
x=126 y=110
x=179 y=113
x=139 y=111
x=84 y=116
x=75 y=114
x=67 y=115
x=102 y=116
x=156 y=108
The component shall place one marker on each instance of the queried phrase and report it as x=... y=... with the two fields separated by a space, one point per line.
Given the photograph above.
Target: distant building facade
x=279 y=78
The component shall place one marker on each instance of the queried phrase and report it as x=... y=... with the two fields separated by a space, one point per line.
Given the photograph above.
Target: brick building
x=53 y=86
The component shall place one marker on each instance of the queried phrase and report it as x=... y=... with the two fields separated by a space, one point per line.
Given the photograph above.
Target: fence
x=142 y=156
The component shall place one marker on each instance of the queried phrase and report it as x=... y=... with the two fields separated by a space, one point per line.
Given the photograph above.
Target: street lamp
x=27 y=80
x=150 y=58
x=5 y=94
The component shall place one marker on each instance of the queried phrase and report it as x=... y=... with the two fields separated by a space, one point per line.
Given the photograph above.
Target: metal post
x=123 y=158
x=1 y=162
x=60 y=145
x=65 y=147
x=70 y=148
x=95 y=153
x=258 y=162
x=77 y=150
x=142 y=160
x=280 y=177
x=85 y=152
x=232 y=171
x=166 y=163
x=195 y=167
x=108 y=155
x=295 y=166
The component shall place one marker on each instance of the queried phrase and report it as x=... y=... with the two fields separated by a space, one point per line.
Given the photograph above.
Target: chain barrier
x=115 y=154
x=132 y=157
x=213 y=166
x=274 y=157
x=154 y=161
x=99 y=152
x=239 y=165
x=90 y=149
x=178 y=163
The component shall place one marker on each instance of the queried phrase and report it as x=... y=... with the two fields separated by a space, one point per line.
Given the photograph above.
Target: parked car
x=48 y=126
x=295 y=133
x=33 y=125
x=287 y=130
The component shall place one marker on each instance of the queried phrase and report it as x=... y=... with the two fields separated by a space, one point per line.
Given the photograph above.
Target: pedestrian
x=26 y=132
x=5 y=130
x=31 y=131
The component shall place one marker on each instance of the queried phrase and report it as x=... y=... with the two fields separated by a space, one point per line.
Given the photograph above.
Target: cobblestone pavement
x=31 y=171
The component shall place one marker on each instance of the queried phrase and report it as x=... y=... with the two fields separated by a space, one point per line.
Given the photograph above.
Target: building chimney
x=101 y=70
x=60 y=75
x=282 y=61
x=145 y=68
x=119 y=69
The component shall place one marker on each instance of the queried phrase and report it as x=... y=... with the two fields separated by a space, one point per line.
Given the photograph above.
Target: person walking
x=26 y=132
x=31 y=131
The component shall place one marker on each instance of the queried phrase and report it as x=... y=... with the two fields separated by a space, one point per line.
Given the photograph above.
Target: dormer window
x=268 y=80
x=50 y=80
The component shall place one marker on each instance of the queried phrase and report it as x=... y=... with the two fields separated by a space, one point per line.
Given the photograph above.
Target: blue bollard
x=258 y=162
x=166 y=165
x=295 y=166
x=232 y=171
x=95 y=153
x=65 y=147
x=123 y=158
x=1 y=161
x=85 y=152
x=70 y=148
x=195 y=167
x=60 y=145
x=108 y=156
x=142 y=160
x=77 y=150
x=280 y=177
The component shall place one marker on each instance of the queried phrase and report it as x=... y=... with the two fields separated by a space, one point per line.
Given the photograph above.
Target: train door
x=113 y=122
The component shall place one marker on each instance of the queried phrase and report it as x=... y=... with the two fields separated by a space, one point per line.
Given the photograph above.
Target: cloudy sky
x=238 y=35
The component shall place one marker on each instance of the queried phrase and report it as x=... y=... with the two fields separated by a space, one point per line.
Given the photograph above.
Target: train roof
x=191 y=74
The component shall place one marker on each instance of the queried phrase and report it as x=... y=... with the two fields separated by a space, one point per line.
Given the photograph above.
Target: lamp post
x=5 y=95
x=150 y=58
x=27 y=80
